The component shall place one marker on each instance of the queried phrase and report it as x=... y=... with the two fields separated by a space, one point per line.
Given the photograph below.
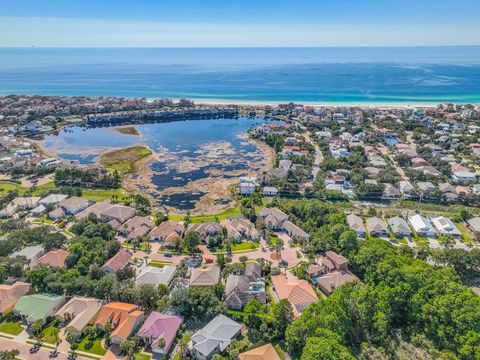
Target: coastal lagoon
x=194 y=161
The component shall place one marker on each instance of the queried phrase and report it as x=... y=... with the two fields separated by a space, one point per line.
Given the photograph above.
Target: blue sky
x=213 y=23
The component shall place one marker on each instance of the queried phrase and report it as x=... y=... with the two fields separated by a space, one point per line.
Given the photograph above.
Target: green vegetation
x=128 y=130
x=93 y=347
x=50 y=334
x=123 y=160
x=158 y=263
x=11 y=328
x=244 y=246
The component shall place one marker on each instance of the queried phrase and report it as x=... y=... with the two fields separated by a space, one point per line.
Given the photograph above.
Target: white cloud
x=62 y=32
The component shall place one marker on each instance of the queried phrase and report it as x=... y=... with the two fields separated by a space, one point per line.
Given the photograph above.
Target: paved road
x=41 y=354
x=318 y=156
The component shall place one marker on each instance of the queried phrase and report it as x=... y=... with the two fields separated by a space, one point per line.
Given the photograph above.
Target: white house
x=270 y=191
x=422 y=225
x=445 y=226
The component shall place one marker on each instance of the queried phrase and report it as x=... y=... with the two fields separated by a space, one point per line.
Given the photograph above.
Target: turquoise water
x=309 y=75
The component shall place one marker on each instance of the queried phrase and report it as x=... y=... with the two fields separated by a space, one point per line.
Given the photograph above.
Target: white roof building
x=445 y=226
x=421 y=225
x=155 y=275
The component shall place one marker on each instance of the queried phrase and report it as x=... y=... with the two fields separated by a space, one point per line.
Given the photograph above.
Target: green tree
x=190 y=242
x=325 y=348
x=282 y=313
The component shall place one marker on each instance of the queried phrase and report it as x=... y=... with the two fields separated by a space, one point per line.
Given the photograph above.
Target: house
x=96 y=209
x=77 y=313
x=119 y=213
x=463 y=176
x=240 y=228
x=330 y=272
x=474 y=224
x=123 y=318
x=118 y=261
x=406 y=188
x=294 y=231
x=9 y=295
x=355 y=223
x=214 y=338
x=399 y=226
x=248 y=185
x=57 y=213
x=39 y=210
x=38 y=307
x=272 y=217
x=264 y=352
x=270 y=191
x=160 y=326
x=53 y=258
x=390 y=192
x=73 y=205
x=241 y=288
x=206 y=229
x=422 y=226
x=136 y=227
x=376 y=226
x=155 y=275
x=425 y=187
x=205 y=277
x=168 y=232
x=53 y=199
x=32 y=253
x=445 y=226
x=298 y=292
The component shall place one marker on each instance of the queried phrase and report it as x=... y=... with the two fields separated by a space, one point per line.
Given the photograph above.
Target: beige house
x=205 y=277
x=78 y=313
x=9 y=295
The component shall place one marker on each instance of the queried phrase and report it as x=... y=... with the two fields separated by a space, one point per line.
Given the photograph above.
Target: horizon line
x=241 y=47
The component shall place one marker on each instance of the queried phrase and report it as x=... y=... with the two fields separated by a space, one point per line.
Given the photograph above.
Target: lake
x=194 y=162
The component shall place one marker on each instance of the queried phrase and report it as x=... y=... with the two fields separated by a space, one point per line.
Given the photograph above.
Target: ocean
x=396 y=75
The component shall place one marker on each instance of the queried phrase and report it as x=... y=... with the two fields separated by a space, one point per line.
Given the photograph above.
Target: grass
x=279 y=351
x=158 y=263
x=123 y=160
x=467 y=237
x=11 y=328
x=95 y=348
x=50 y=334
x=6 y=185
x=101 y=194
x=140 y=356
x=244 y=246
x=203 y=218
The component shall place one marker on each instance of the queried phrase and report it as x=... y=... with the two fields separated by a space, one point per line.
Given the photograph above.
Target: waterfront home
x=38 y=307
x=376 y=226
x=299 y=293
x=206 y=277
x=53 y=258
x=206 y=229
x=118 y=261
x=74 y=205
x=240 y=228
x=213 y=338
x=330 y=272
x=239 y=289
x=399 y=226
x=32 y=253
x=124 y=320
x=422 y=226
x=136 y=227
x=294 y=231
x=355 y=223
x=264 y=352
x=390 y=192
x=119 y=213
x=168 y=232
x=77 y=313
x=155 y=276
x=18 y=204
x=272 y=218
x=248 y=185
x=445 y=226
x=474 y=224
x=9 y=295
x=160 y=326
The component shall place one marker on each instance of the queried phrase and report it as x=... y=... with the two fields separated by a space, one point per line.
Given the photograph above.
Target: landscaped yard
x=244 y=246
x=466 y=233
x=50 y=334
x=11 y=328
x=94 y=347
x=139 y=356
x=158 y=263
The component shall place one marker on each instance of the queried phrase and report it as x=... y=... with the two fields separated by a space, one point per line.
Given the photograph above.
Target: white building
x=445 y=226
x=422 y=226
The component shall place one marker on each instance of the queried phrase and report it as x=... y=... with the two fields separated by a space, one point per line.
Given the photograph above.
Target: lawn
x=139 y=356
x=6 y=185
x=50 y=334
x=11 y=328
x=123 y=160
x=244 y=246
x=157 y=263
x=466 y=233
x=95 y=348
x=101 y=194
